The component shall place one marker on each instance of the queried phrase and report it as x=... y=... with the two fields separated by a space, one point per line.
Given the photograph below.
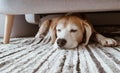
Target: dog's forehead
x=68 y=26
x=72 y=26
x=60 y=26
x=70 y=22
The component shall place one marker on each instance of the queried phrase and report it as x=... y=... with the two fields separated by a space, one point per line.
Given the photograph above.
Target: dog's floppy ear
x=53 y=33
x=53 y=30
x=88 y=32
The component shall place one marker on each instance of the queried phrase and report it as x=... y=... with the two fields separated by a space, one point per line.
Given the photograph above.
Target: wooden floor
x=29 y=55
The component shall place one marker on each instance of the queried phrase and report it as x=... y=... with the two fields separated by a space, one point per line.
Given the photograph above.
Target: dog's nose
x=61 y=42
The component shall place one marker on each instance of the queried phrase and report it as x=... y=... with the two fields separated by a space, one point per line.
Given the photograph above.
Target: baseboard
x=1 y=35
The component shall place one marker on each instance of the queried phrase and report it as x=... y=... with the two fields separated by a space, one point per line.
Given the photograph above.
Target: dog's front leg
x=105 y=41
x=43 y=29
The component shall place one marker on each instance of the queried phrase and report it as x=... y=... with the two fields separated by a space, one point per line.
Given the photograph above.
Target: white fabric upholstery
x=57 y=6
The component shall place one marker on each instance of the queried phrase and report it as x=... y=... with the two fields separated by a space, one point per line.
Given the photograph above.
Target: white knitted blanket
x=29 y=55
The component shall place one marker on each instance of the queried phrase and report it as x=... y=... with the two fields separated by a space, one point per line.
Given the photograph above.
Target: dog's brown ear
x=53 y=30
x=88 y=32
x=53 y=33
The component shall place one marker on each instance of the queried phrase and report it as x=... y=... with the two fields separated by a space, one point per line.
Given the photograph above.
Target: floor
x=29 y=55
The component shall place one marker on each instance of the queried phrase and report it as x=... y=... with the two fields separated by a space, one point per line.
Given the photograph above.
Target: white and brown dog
x=70 y=30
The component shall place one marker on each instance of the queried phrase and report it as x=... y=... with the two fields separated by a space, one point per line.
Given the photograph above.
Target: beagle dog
x=68 y=31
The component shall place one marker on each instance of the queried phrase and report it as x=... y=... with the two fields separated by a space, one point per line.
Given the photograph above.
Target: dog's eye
x=73 y=30
x=58 y=30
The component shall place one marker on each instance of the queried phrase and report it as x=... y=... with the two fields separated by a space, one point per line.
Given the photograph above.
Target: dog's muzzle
x=61 y=42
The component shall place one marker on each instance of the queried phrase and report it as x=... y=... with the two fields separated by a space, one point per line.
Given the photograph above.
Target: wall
x=2 y=19
x=20 y=27
x=104 y=18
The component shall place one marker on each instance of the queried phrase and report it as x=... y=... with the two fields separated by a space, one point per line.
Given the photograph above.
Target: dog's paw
x=108 y=42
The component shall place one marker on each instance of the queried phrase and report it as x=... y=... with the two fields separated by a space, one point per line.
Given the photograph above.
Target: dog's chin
x=73 y=46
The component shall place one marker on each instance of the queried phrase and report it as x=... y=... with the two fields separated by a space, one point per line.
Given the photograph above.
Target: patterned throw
x=29 y=55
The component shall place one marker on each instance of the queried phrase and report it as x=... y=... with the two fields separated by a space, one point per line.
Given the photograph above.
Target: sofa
x=33 y=8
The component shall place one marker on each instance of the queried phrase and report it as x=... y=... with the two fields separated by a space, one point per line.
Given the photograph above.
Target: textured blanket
x=29 y=55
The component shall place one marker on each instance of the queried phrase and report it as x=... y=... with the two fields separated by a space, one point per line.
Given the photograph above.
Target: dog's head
x=69 y=31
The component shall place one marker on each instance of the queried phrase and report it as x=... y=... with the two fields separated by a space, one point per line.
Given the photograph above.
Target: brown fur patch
x=72 y=20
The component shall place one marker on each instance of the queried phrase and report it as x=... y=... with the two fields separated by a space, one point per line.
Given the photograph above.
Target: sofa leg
x=8 y=28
